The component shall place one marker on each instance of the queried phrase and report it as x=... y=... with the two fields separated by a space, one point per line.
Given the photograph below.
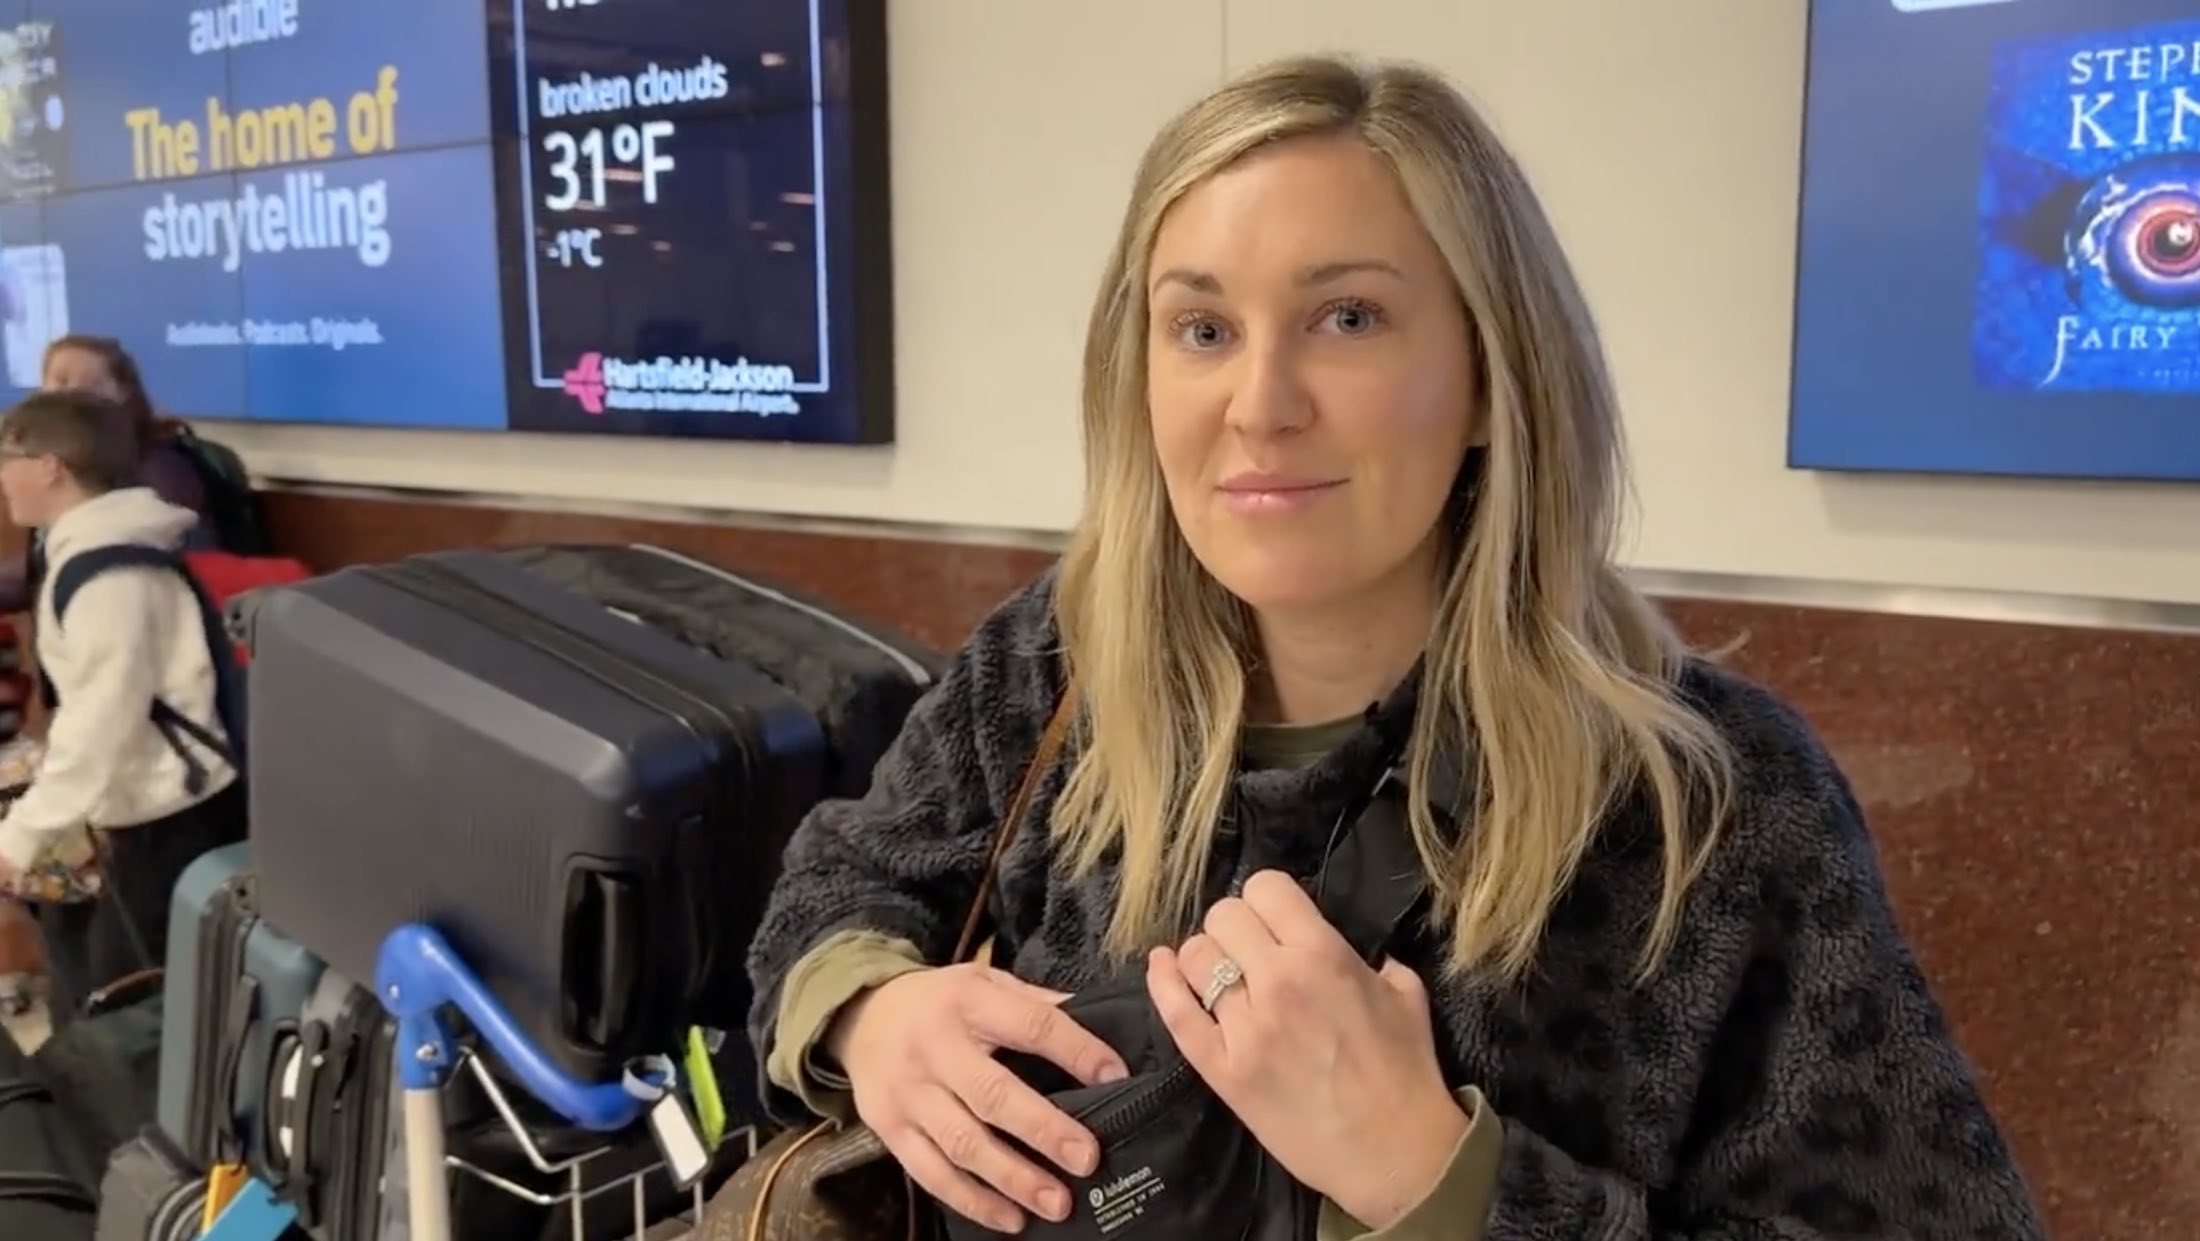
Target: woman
x=1353 y=459
x=99 y=364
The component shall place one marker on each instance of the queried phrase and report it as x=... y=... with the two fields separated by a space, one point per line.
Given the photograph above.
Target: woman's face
x=80 y=370
x=1310 y=380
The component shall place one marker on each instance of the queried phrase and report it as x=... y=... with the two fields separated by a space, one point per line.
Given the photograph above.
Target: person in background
x=101 y=366
x=135 y=748
x=1354 y=463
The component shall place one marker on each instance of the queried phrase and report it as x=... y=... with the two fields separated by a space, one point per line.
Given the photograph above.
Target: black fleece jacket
x=1787 y=1075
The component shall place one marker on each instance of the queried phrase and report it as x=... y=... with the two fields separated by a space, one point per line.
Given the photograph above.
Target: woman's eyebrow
x=1321 y=273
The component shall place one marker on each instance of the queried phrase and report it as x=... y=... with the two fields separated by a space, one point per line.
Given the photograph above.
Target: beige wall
x=1663 y=137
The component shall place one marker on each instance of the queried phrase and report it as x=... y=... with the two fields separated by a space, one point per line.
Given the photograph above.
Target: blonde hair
x=1544 y=668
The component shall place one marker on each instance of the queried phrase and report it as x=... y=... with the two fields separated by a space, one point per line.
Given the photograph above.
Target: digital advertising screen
x=656 y=217
x=1998 y=267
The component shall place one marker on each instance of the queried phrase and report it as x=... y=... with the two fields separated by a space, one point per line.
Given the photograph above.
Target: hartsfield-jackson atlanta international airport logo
x=584 y=383
x=682 y=385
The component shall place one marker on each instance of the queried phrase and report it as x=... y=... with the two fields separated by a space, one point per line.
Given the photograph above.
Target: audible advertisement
x=427 y=213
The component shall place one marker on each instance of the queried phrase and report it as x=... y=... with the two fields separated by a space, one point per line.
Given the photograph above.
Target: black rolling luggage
x=860 y=680
x=47 y=1169
x=104 y=1071
x=590 y=810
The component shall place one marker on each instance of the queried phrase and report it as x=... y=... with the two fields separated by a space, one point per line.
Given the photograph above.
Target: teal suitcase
x=234 y=990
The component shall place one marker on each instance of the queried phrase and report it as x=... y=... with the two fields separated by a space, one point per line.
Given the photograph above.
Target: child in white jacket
x=136 y=748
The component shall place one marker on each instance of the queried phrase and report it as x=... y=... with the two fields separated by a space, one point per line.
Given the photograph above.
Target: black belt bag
x=1174 y=1161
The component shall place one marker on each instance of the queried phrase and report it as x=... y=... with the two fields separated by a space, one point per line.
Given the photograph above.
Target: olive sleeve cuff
x=1458 y=1208
x=843 y=966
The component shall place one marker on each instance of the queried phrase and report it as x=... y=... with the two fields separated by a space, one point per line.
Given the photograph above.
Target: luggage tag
x=679 y=1140
x=702 y=1078
x=253 y=1214
x=224 y=1181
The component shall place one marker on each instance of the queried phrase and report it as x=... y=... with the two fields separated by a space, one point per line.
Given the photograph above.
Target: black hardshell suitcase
x=591 y=811
x=860 y=680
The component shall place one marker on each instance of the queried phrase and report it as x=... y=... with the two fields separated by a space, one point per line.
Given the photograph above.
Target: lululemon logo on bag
x=1123 y=1202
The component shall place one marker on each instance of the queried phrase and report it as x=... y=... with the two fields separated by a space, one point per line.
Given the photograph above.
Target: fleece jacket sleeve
x=905 y=860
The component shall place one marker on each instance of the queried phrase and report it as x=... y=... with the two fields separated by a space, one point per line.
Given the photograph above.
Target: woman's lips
x=1266 y=497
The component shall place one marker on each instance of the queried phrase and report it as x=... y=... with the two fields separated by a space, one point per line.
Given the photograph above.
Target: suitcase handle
x=418 y=973
x=604 y=966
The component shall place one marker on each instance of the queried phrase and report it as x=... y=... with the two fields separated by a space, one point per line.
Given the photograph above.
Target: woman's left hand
x=1330 y=1064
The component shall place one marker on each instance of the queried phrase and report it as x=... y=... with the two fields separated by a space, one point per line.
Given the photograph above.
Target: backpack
x=227 y=577
x=173 y=725
x=232 y=507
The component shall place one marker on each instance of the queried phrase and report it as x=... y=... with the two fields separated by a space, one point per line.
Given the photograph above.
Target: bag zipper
x=1123 y=1114
x=915 y=671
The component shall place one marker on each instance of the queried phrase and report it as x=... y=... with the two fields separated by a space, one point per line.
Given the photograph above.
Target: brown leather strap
x=760 y=1222
x=1050 y=748
x=124 y=991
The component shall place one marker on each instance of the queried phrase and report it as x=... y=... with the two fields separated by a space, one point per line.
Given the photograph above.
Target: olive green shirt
x=847 y=964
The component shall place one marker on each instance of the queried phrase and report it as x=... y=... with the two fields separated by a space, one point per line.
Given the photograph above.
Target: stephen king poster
x=2089 y=215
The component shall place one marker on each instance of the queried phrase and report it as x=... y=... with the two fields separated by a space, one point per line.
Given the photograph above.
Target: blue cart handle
x=418 y=972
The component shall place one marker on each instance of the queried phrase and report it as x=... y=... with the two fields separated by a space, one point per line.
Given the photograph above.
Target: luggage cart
x=419 y=978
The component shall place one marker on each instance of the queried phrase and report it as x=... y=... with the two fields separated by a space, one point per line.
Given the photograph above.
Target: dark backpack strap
x=81 y=568
x=1373 y=881
x=34 y=577
x=84 y=566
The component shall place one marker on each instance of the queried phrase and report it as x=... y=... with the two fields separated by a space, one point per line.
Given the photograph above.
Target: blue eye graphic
x=2138 y=229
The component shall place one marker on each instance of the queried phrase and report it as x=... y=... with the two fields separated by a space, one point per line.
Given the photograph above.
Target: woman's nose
x=1268 y=395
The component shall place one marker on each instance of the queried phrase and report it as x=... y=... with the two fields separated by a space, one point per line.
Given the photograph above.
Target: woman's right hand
x=919 y=1052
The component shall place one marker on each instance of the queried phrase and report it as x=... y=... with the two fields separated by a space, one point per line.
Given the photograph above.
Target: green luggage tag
x=702 y=1081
